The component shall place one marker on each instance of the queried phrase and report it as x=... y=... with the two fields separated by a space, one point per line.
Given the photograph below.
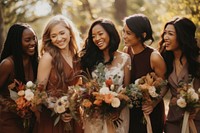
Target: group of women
x=176 y=60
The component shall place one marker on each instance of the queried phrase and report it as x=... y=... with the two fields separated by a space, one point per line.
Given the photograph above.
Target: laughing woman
x=182 y=56
x=19 y=60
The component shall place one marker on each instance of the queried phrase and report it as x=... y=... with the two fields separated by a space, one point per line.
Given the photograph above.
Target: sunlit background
x=83 y=12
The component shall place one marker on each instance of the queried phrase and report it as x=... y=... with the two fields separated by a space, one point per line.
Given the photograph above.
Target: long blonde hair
x=47 y=46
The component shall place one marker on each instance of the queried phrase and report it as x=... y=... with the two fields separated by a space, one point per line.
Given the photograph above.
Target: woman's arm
x=44 y=69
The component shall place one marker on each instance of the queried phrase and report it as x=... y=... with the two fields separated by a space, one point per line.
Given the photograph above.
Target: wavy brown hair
x=54 y=51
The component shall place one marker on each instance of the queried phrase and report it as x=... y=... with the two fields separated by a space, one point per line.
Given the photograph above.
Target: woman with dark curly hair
x=179 y=48
x=101 y=46
x=19 y=60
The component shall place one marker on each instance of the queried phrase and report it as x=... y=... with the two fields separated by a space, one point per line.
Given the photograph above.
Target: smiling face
x=129 y=37
x=60 y=36
x=29 y=42
x=100 y=37
x=170 y=38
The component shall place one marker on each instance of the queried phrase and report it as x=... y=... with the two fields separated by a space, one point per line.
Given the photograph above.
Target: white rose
x=195 y=96
x=152 y=91
x=181 y=102
x=29 y=95
x=21 y=93
x=115 y=102
x=29 y=84
x=190 y=91
x=104 y=90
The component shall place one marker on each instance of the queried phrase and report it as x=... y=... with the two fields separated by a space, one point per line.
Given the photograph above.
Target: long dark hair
x=139 y=24
x=92 y=55
x=13 y=47
x=185 y=31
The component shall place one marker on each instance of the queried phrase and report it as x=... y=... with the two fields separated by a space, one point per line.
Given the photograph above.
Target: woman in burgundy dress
x=137 y=30
x=19 y=60
x=56 y=70
x=181 y=53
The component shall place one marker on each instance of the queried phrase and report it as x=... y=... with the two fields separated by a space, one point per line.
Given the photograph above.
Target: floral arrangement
x=188 y=100
x=145 y=90
x=61 y=102
x=27 y=97
x=100 y=97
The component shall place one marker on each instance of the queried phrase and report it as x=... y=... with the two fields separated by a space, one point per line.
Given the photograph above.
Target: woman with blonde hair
x=57 y=68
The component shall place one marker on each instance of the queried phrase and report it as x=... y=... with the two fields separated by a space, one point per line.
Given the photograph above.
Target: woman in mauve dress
x=179 y=48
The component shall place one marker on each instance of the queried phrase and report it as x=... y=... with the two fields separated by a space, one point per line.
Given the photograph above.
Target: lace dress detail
x=119 y=62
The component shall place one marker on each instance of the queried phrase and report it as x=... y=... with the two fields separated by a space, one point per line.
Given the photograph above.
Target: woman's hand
x=66 y=117
x=147 y=108
x=193 y=113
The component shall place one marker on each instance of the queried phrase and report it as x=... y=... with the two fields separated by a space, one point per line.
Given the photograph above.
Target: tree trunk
x=120 y=10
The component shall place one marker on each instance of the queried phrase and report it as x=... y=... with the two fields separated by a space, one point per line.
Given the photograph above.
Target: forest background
x=83 y=12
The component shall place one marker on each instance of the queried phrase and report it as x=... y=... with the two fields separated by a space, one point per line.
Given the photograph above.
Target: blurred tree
x=120 y=10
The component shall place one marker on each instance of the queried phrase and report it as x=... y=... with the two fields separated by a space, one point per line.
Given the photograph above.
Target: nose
x=165 y=37
x=123 y=34
x=59 y=38
x=33 y=42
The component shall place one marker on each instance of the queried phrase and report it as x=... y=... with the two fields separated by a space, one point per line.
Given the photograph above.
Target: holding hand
x=66 y=117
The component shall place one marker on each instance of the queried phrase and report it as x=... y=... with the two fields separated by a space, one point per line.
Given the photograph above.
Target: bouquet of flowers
x=26 y=97
x=145 y=90
x=100 y=98
x=189 y=101
x=61 y=102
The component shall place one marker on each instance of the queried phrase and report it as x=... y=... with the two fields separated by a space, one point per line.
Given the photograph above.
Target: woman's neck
x=137 y=48
x=177 y=54
x=106 y=55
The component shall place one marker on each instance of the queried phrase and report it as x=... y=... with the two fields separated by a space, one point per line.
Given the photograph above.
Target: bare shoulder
x=122 y=54
x=155 y=55
x=7 y=66
x=7 y=63
x=46 y=57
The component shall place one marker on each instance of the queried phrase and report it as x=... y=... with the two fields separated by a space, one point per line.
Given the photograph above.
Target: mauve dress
x=175 y=115
x=140 y=67
x=10 y=122
x=46 y=124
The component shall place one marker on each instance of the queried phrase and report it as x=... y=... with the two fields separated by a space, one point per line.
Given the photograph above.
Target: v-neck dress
x=175 y=114
x=46 y=124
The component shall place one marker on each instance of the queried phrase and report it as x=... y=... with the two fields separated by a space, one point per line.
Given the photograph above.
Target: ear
x=144 y=34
